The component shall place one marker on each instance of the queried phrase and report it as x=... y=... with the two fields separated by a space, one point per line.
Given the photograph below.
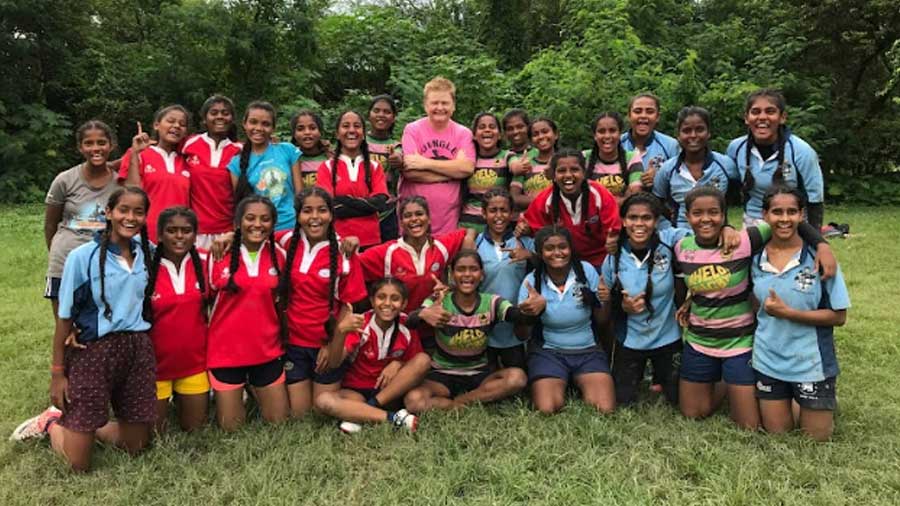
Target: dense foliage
x=65 y=61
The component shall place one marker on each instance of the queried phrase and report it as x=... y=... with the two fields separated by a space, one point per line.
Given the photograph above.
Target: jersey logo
x=714 y=181
x=483 y=179
x=185 y=173
x=225 y=273
x=400 y=271
x=762 y=387
x=593 y=219
x=709 y=278
x=397 y=353
x=660 y=262
x=435 y=267
x=786 y=169
x=155 y=296
x=804 y=280
x=324 y=273
x=148 y=169
x=808 y=388
x=193 y=160
x=468 y=339
x=577 y=293
x=273 y=271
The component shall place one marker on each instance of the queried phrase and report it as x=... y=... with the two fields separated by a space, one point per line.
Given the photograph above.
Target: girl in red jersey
x=317 y=281
x=175 y=303
x=357 y=183
x=386 y=361
x=157 y=165
x=244 y=339
x=306 y=134
x=585 y=208
x=207 y=155
x=417 y=258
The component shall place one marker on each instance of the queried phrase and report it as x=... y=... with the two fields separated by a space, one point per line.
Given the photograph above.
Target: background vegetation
x=838 y=62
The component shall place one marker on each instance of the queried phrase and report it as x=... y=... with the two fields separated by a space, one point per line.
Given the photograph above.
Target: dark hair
x=516 y=113
x=495 y=193
x=316 y=119
x=777 y=98
x=107 y=232
x=641 y=198
x=684 y=114
x=235 y=260
x=364 y=148
x=782 y=189
x=556 y=197
x=220 y=99
x=391 y=103
x=243 y=188
x=645 y=94
x=401 y=287
x=284 y=285
x=552 y=127
x=466 y=253
x=475 y=125
x=162 y=111
x=540 y=268
x=164 y=218
x=94 y=124
x=420 y=201
x=706 y=191
x=595 y=149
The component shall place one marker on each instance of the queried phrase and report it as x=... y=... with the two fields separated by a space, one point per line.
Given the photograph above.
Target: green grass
x=504 y=454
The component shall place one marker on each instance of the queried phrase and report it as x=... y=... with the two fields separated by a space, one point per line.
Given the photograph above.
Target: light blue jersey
x=644 y=331
x=659 y=148
x=674 y=180
x=567 y=319
x=79 y=291
x=503 y=278
x=270 y=176
x=801 y=170
x=786 y=350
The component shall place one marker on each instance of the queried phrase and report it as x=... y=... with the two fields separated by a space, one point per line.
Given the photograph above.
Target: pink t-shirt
x=443 y=198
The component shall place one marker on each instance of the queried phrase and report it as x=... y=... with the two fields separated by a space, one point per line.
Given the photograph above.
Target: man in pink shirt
x=438 y=154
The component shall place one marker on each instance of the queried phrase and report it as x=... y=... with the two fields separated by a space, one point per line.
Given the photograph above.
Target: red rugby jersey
x=369 y=354
x=400 y=260
x=602 y=218
x=165 y=178
x=212 y=196
x=179 y=326
x=243 y=327
x=351 y=181
x=310 y=275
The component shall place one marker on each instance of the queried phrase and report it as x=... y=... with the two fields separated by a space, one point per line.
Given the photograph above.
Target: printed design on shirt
x=715 y=181
x=484 y=179
x=272 y=183
x=786 y=169
x=613 y=182
x=90 y=216
x=656 y=162
x=536 y=183
x=578 y=293
x=804 y=280
x=149 y=169
x=468 y=340
x=660 y=262
x=440 y=149
x=709 y=278
x=309 y=179
x=193 y=160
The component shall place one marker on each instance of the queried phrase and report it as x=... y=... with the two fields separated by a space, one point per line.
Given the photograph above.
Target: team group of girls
x=599 y=260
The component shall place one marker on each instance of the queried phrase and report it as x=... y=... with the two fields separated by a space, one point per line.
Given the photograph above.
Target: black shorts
x=458 y=384
x=817 y=395
x=514 y=356
x=259 y=375
x=367 y=393
x=300 y=365
x=628 y=370
x=51 y=288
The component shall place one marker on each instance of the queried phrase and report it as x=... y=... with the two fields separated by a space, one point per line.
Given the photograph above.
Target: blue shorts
x=816 y=395
x=545 y=363
x=300 y=365
x=367 y=393
x=700 y=368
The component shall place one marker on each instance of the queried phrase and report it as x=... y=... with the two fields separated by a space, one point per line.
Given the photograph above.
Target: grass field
x=504 y=454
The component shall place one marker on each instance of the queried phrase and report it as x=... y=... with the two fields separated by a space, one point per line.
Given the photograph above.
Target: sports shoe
x=350 y=427
x=404 y=418
x=36 y=427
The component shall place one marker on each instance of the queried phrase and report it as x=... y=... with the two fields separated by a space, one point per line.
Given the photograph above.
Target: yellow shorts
x=191 y=385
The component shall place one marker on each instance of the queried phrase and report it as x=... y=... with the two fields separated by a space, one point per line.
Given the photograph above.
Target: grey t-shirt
x=84 y=212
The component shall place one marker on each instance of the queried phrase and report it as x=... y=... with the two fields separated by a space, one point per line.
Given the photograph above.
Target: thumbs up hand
x=534 y=304
x=350 y=321
x=776 y=307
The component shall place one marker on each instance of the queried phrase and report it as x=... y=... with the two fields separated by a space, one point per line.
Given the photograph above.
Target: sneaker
x=37 y=426
x=350 y=427
x=404 y=418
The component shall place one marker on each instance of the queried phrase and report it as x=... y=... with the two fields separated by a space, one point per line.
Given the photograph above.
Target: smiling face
x=259 y=126
x=127 y=216
x=387 y=303
x=307 y=134
x=177 y=237
x=219 y=119
x=784 y=215
x=315 y=218
x=639 y=223
x=706 y=218
x=643 y=116
x=606 y=135
x=414 y=221
x=763 y=118
x=467 y=275
x=496 y=214
x=172 y=127
x=487 y=133
x=439 y=107
x=556 y=252
x=516 y=131
x=350 y=131
x=382 y=117
x=95 y=147
x=543 y=137
x=693 y=135
x=569 y=175
x=256 y=225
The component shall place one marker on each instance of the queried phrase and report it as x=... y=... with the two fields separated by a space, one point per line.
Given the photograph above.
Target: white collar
x=765 y=266
x=574 y=208
x=176 y=274
x=419 y=258
x=215 y=152
x=253 y=265
x=382 y=340
x=570 y=280
x=685 y=172
x=353 y=166
x=309 y=252
x=168 y=158
x=759 y=157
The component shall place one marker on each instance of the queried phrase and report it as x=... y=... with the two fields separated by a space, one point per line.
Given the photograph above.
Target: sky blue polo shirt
x=503 y=278
x=79 y=291
x=787 y=350
x=659 y=148
x=567 y=318
x=674 y=180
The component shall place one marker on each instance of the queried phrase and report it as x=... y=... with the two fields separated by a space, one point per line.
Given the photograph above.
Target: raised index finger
x=140 y=129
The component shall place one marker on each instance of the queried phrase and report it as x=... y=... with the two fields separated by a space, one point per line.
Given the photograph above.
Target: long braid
x=199 y=274
x=152 y=274
x=235 y=261
x=555 y=202
x=334 y=167
x=333 y=274
x=749 y=180
x=367 y=164
x=616 y=290
x=104 y=246
x=243 y=188
x=585 y=204
x=273 y=256
x=648 y=290
x=284 y=285
x=623 y=162
x=778 y=176
x=593 y=159
x=394 y=332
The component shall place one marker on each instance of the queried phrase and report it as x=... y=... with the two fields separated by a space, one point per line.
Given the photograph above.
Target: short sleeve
x=466 y=144
x=352 y=287
x=290 y=152
x=123 y=166
x=74 y=275
x=730 y=168
x=323 y=177
x=351 y=342
x=809 y=171
x=607 y=270
x=592 y=278
x=409 y=141
x=527 y=243
x=501 y=307
x=661 y=180
x=414 y=347
x=56 y=195
x=634 y=168
x=234 y=166
x=452 y=241
x=372 y=262
x=838 y=297
x=379 y=181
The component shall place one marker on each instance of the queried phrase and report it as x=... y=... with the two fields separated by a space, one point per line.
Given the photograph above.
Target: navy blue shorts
x=700 y=368
x=816 y=395
x=458 y=384
x=367 y=393
x=300 y=365
x=544 y=363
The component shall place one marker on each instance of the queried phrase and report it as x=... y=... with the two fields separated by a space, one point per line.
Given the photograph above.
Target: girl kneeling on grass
x=245 y=283
x=565 y=349
x=386 y=361
x=718 y=317
x=463 y=320
x=101 y=294
x=793 y=346
x=175 y=303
